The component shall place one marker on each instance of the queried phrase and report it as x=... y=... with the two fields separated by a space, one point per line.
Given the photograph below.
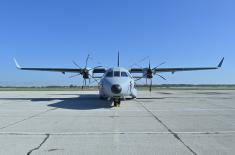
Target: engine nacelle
x=147 y=73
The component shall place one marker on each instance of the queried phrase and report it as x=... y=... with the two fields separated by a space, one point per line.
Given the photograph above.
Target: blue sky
x=52 y=33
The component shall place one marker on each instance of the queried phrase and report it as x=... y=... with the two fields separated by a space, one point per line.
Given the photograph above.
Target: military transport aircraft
x=117 y=83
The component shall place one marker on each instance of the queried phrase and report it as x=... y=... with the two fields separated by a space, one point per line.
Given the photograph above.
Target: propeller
x=85 y=72
x=149 y=74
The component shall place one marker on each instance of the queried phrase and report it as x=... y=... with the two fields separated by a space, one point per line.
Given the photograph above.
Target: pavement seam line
x=168 y=129
x=112 y=133
x=40 y=145
x=25 y=119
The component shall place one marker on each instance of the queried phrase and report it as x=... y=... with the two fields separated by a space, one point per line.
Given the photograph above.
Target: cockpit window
x=109 y=74
x=116 y=73
x=124 y=74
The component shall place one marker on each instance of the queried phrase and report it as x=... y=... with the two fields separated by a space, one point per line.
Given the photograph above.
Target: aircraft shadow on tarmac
x=82 y=102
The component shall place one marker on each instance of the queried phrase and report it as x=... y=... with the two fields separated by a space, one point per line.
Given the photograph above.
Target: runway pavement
x=161 y=122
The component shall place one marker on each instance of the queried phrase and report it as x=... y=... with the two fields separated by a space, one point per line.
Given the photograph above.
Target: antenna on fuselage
x=118 y=58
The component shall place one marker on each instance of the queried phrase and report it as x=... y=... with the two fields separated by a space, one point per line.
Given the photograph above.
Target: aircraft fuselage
x=117 y=83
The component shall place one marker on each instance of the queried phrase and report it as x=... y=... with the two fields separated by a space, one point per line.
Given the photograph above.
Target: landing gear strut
x=116 y=102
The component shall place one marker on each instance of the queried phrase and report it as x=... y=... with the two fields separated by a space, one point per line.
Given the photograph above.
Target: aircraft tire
x=119 y=102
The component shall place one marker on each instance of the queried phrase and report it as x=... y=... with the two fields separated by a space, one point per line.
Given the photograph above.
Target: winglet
x=221 y=62
x=16 y=63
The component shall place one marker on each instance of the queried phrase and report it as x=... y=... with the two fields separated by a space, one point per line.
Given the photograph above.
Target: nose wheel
x=116 y=102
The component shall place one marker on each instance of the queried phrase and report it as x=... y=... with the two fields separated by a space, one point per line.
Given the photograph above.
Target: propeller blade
x=83 y=83
x=142 y=78
x=157 y=67
x=140 y=61
x=87 y=60
x=150 y=86
x=138 y=79
x=76 y=64
x=93 y=78
x=92 y=82
x=161 y=76
x=75 y=75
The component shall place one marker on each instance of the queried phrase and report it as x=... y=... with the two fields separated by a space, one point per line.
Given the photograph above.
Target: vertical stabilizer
x=118 y=59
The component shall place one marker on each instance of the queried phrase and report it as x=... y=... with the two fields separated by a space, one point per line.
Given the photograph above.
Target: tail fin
x=118 y=59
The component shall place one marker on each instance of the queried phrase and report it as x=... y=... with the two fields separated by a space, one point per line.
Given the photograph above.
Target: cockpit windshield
x=109 y=74
x=124 y=74
x=116 y=73
x=112 y=73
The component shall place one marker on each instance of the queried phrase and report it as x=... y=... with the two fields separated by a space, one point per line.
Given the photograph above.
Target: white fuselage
x=117 y=82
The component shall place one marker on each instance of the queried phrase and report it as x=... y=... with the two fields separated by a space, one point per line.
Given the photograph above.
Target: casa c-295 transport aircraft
x=117 y=83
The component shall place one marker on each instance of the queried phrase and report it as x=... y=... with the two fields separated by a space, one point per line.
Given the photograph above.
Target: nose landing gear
x=116 y=102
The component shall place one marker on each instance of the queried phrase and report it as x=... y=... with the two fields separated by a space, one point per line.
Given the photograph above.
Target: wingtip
x=221 y=63
x=16 y=63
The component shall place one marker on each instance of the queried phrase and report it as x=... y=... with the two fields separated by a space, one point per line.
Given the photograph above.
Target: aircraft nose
x=116 y=89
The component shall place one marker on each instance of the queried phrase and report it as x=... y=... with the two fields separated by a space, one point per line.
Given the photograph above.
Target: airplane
x=118 y=83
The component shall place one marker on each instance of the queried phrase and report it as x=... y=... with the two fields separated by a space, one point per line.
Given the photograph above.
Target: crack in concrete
x=40 y=145
x=168 y=129
x=30 y=117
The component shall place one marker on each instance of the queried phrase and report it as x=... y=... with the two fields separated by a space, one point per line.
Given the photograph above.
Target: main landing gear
x=116 y=102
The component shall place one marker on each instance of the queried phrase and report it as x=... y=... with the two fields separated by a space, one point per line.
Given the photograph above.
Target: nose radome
x=116 y=89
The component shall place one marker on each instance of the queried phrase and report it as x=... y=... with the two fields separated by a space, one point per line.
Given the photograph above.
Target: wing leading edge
x=62 y=70
x=173 y=70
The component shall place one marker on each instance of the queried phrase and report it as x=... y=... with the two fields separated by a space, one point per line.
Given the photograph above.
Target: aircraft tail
x=118 y=59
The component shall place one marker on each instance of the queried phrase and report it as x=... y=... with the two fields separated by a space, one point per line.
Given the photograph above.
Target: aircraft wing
x=62 y=70
x=173 y=70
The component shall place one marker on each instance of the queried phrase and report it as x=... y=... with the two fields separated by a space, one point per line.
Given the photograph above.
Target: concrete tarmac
x=162 y=122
